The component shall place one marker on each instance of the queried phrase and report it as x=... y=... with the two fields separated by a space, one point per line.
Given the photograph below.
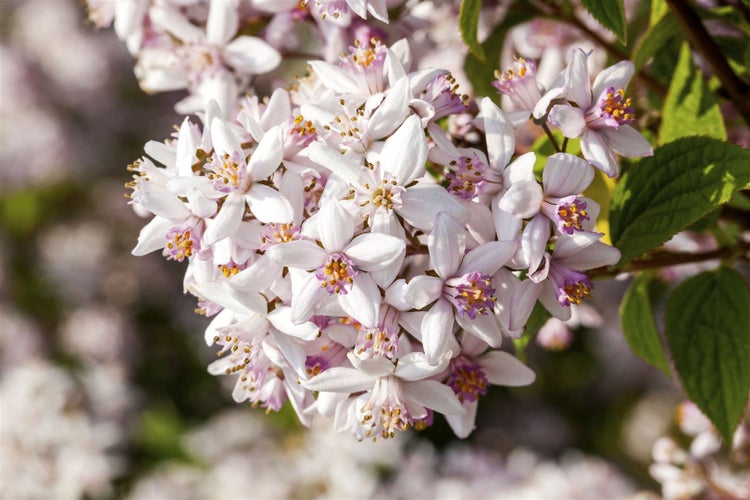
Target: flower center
x=443 y=94
x=384 y=411
x=301 y=132
x=519 y=83
x=227 y=173
x=612 y=110
x=471 y=294
x=275 y=233
x=571 y=214
x=181 y=243
x=380 y=342
x=466 y=176
x=574 y=289
x=337 y=274
x=467 y=380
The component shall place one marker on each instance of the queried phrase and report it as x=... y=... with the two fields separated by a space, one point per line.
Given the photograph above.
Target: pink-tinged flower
x=345 y=268
x=561 y=281
x=205 y=59
x=520 y=85
x=462 y=291
x=385 y=191
x=555 y=203
x=385 y=396
x=231 y=176
x=599 y=115
x=472 y=372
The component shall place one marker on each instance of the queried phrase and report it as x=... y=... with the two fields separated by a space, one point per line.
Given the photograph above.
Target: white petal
x=363 y=300
x=224 y=139
x=340 y=379
x=566 y=175
x=281 y=318
x=486 y=327
x=487 y=258
x=306 y=298
x=336 y=226
x=501 y=144
x=578 y=86
x=522 y=169
x=268 y=205
x=596 y=150
x=278 y=109
x=164 y=204
x=153 y=236
x=464 y=424
x=522 y=303
x=523 y=199
x=347 y=167
x=171 y=20
x=421 y=203
x=267 y=156
x=372 y=251
x=391 y=112
x=534 y=241
x=433 y=395
x=437 y=331
x=222 y=22
x=423 y=290
x=597 y=255
x=568 y=119
x=251 y=56
x=548 y=298
x=258 y=276
x=628 y=142
x=301 y=254
x=617 y=76
x=227 y=220
x=334 y=78
x=414 y=366
x=446 y=245
x=404 y=153
x=502 y=368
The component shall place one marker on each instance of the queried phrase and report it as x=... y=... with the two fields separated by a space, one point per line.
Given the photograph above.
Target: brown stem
x=666 y=259
x=551 y=137
x=737 y=90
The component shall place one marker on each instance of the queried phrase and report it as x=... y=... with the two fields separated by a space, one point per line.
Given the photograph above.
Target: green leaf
x=611 y=15
x=481 y=73
x=690 y=108
x=655 y=38
x=708 y=332
x=468 y=22
x=638 y=324
x=662 y=195
x=659 y=9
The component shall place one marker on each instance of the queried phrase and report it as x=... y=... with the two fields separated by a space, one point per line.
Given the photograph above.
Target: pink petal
x=446 y=245
x=251 y=56
x=628 y=142
x=437 y=331
x=617 y=76
x=415 y=366
x=501 y=143
x=301 y=254
x=596 y=150
x=363 y=300
x=487 y=258
x=423 y=290
x=433 y=395
x=523 y=199
x=486 y=327
x=464 y=424
x=502 y=368
x=568 y=119
x=340 y=379
x=565 y=175
x=534 y=241
x=522 y=303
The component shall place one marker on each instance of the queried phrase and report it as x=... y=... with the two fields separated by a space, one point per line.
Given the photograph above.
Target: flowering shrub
x=369 y=237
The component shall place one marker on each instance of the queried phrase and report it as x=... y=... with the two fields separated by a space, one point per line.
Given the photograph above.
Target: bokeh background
x=103 y=385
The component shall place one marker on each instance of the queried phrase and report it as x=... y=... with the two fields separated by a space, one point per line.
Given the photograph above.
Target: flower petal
x=628 y=142
x=421 y=203
x=446 y=245
x=501 y=142
x=268 y=205
x=251 y=55
x=227 y=219
x=301 y=254
x=565 y=175
x=434 y=395
x=464 y=424
x=404 y=153
x=487 y=258
x=568 y=119
x=437 y=331
x=596 y=150
x=363 y=300
x=267 y=156
x=340 y=379
x=335 y=226
x=617 y=76
x=501 y=368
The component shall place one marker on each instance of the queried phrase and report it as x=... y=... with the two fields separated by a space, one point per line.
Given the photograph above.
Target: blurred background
x=104 y=391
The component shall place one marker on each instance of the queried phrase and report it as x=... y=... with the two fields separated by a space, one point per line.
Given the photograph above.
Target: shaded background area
x=104 y=389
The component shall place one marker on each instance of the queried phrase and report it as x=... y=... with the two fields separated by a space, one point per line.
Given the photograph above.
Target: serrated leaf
x=637 y=319
x=611 y=15
x=707 y=320
x=662 y=195
x=690 y=108
x=468 y=23
x=654 y=39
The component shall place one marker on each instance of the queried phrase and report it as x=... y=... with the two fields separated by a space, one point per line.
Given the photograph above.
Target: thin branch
x=737 y=89
x=667 y=259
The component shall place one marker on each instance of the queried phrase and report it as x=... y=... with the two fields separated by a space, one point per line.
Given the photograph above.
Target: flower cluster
x=365 y=237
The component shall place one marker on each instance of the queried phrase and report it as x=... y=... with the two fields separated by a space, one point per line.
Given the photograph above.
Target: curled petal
x=502 y=368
